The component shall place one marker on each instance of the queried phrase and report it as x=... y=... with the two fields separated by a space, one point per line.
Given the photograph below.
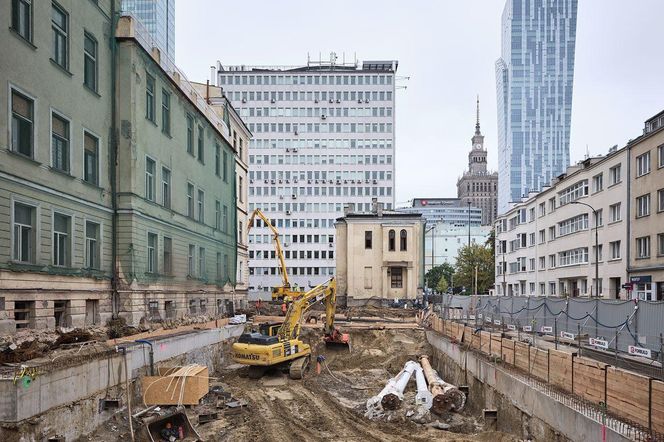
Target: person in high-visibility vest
x=284 y=307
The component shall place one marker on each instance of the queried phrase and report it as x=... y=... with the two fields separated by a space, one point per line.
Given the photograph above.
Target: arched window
x=391 y=241
x=404 y=240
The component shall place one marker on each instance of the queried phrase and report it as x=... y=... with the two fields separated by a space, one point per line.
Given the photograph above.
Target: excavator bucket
x=337 y=338
x=154 y=427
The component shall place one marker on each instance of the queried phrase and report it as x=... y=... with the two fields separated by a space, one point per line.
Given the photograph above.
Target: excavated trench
x=331 y=406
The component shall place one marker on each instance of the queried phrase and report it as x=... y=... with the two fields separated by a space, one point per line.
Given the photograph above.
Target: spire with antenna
x=477 y=124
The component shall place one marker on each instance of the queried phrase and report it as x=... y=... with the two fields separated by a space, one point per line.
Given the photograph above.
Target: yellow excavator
x=283 y=293
x=278 y=345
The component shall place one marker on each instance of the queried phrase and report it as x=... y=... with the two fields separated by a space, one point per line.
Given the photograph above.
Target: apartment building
x=55 y=184
x=323 y=136
x=646 y=198
x=380 y=255
x=545 y=244
x=443 y=241
x=445 y=210
x=240 y=136
x=176 y=182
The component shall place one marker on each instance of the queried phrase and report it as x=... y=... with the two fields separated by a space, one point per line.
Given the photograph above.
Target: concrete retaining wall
x=522 y=410
x=66 y=402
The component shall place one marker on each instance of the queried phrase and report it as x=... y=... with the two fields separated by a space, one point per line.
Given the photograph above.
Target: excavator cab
x=269 y=328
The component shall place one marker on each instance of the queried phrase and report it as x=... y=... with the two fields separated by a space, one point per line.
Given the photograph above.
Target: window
x=368 y=240
x=614 y=212
x=90 y=62
x=165 y=112
x=226 y=271
x=598 y=182
x=615 y=249
x=660 y=200
x=150 y=170
x=660 y=154
x=599 y=217
x=573 y=257
x=660 y=244
x=542 y=209
x=542 y=236
x=614 y=175
x=219 y=266
x=190 y=200
x=91 y=245
x=224 y=219
x=190 y=134
x=552 y=261
x=542 y=262
x=22 y=18
x=201 y=145
x=168 y=255
x=217 y=215
x=90 y=158
x=60 y=27
x=240 y=190
x=391 y=240
x=643 y=205
x=191 y=259
x=60 y=143
x=403 y=240
x=22 y=124
x=202 y=270
x=152 y=253
x=643 y=247
x=149 y=97
x=201 y=206
x=240 y=238
x=61 y=240
x=225 y=167
x=573 y=225
x=573 y=192
x=217 y=160
x=166 y=187
x=396 y=277
x=24 y=233
x=643 y=164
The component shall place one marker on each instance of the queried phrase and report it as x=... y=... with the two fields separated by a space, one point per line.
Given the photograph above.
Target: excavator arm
x=277 y=243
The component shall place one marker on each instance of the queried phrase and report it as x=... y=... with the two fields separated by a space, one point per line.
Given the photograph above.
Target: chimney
x=213 y=75
x=349 y=208
x=374 y=205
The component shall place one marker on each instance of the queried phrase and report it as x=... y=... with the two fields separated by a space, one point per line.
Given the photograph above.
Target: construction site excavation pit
x=331 y=405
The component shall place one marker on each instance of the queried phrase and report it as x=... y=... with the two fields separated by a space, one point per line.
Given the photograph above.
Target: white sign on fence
x=497 y=322
x=567 y=335
x=546 y=329
x=511 y=327
x=479 y=315
x=464 y=316
x=471 y=317
x=487 y=319
x=601 y=343
x=639 y=351
x=238 y=319
x=527 y=328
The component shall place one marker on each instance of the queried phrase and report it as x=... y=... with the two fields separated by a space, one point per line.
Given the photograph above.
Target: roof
x=386 y=214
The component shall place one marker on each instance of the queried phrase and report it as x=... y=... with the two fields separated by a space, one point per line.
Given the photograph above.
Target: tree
x=434 y=275
x=470 y=257
x=442 y=285
x=491 y=241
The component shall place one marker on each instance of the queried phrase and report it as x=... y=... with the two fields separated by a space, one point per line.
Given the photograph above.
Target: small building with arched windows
x=380 y=256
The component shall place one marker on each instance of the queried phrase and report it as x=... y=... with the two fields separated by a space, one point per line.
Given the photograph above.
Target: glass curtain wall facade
x=534 y=79
x=158 y=16
x=323 y=137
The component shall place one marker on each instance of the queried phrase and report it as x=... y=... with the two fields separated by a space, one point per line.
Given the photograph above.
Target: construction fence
x=629 y=397
x=626 y=327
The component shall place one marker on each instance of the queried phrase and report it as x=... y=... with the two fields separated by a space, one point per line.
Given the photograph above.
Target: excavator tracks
x=299 y=366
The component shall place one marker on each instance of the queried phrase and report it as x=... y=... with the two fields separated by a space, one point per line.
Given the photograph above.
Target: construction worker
x=258 y=307
x=168 y=433
x=284 y=307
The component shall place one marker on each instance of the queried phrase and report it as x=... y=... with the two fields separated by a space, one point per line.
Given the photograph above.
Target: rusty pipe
x=446 y=397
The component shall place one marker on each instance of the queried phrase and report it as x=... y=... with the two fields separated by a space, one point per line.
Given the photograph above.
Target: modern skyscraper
x=323 y=138
x=478 y=186
x=534 y=78
x=158 y=16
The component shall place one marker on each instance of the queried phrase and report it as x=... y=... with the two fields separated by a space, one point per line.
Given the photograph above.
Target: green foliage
x=442 y=285
x=470 y=257
x=434 y=275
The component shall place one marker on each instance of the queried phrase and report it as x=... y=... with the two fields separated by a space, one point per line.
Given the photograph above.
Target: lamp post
x=468 y=223
x=432 y=246
x=596 y=245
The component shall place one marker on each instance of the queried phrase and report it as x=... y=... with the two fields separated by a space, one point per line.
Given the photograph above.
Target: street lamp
x=596 y=245
x=468 y=223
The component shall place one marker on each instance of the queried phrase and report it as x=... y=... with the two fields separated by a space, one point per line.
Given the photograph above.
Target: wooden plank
x=485 y=339
x=496 y=344
x=560 y=369
x=628 y=393
x=539 y=364
x=521 y=352
x=192 y=383
x=507 y=348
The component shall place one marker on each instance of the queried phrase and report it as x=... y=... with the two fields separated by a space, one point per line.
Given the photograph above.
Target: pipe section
x=446 y=397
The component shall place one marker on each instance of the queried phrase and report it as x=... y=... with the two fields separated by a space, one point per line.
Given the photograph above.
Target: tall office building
x=158 y=16
x=452 y=211
x=534 y=78
x=323 y=138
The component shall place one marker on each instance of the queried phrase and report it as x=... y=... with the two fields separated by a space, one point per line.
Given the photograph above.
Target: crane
x=279 y=345
x=284 y=292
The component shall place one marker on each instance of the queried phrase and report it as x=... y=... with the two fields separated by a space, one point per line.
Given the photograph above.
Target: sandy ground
x=329 y=406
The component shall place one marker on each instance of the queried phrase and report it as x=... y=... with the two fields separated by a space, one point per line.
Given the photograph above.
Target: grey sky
x=448 y=48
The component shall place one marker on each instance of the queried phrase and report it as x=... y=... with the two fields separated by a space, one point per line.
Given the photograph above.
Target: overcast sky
x=448 y=49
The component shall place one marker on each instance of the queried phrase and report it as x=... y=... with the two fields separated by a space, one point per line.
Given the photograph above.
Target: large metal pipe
x=446 y=397
x=424 y=396
x=391 y=395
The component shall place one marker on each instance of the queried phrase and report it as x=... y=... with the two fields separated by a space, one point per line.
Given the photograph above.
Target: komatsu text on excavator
x=279 y=345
